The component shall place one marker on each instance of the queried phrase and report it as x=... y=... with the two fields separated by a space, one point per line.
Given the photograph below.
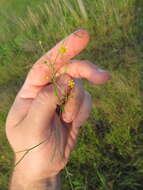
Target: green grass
x=110 y=147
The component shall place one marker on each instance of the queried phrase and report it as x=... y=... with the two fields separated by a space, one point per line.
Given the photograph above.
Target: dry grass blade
x=82 y=9
x=71 y=9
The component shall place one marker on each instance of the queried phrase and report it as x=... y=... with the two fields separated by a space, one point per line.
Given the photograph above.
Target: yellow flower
x=71 y=83
x=62 y=49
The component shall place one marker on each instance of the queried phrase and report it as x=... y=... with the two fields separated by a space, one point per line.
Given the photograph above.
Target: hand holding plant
x=43 y=123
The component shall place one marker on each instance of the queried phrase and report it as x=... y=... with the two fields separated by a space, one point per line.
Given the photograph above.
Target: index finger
x=40 y=73
x=66 y=49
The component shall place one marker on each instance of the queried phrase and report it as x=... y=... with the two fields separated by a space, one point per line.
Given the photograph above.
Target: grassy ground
x=110 y=148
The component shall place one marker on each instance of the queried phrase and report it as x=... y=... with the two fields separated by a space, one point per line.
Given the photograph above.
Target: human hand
x=33 y=116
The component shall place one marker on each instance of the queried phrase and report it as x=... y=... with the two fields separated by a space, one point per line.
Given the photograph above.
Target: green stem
x=69 y=178
x=21 y=158
x=32 y=147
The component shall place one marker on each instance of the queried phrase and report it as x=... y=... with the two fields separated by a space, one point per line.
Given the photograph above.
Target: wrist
x=20 y=181
x=29 y=176
x=30 y=168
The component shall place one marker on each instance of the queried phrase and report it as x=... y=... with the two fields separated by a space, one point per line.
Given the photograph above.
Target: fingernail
x=100 y=70
x=80 y=32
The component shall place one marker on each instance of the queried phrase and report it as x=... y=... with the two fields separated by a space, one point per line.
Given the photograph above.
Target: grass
x=110 y=147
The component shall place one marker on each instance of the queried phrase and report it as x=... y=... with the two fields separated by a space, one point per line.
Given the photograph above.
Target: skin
x=33 y=116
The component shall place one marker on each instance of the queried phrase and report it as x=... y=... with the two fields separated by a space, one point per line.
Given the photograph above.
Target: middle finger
x=74 y=102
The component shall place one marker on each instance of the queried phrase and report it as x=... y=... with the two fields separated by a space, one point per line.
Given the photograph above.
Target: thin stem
x=21 y=158
x=41 y=46
x=33 y=146
x=68 y=175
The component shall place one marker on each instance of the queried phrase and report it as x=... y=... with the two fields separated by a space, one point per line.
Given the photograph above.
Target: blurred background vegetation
x=109 y=154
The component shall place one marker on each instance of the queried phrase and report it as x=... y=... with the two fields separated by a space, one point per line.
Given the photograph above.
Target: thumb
x=44 y=106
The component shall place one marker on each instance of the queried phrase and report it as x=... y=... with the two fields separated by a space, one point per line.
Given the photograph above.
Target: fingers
x=40 y=74
x=67 y=48
x=74 y=102
x=82 y=116
x=85 y=69
x=76 y=69
x=83 y=113
x=44 y=105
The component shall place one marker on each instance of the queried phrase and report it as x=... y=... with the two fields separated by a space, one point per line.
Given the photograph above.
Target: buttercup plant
x=62 y=99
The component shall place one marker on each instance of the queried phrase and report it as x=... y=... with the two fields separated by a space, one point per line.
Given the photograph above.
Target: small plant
x=62 y=98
